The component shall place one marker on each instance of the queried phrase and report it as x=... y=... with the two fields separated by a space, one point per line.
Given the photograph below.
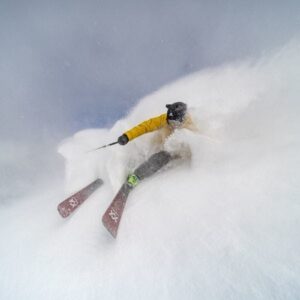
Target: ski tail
x=112 y=217
x=69 y=205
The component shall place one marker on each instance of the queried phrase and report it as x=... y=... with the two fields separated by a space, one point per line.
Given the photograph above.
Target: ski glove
x=123 y=139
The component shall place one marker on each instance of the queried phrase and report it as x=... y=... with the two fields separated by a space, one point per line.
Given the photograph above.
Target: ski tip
x=113 y=231
x=62 y=211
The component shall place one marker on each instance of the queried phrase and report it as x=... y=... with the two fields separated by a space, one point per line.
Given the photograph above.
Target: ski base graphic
x=68 y=206
x=112 y=217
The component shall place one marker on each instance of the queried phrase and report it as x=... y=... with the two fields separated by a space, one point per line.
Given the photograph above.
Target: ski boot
x=132 y=181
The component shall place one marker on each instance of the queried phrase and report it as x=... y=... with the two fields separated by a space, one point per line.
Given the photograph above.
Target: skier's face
x=175 y=124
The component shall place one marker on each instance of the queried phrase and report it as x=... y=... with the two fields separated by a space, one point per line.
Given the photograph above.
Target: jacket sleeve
x=147 y=126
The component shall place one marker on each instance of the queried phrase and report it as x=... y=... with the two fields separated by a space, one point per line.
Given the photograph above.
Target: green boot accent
x=132 y=180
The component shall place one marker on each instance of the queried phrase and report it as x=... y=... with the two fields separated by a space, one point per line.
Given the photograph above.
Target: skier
x=176 y=117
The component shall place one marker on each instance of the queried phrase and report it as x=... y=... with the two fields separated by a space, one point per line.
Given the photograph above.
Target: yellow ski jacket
x=156 y=123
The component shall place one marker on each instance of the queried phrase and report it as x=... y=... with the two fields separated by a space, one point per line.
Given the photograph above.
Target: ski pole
x=103 y=146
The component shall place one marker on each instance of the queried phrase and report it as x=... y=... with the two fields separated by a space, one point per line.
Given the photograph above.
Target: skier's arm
x=142 y=128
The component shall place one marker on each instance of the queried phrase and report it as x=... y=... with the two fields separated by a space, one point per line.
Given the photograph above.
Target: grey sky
x=70 y=65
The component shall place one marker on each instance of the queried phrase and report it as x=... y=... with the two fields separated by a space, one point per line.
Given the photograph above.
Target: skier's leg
x=148 y=168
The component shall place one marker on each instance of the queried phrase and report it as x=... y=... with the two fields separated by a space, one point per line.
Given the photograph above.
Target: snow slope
x=224 y=225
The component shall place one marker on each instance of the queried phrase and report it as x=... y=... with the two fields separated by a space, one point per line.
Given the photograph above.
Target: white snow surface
x=222 y=225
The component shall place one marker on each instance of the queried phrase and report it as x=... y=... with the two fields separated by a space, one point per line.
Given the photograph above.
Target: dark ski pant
x=153 y=164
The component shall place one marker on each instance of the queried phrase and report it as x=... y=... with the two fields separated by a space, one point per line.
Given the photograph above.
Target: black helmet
x=176 y=111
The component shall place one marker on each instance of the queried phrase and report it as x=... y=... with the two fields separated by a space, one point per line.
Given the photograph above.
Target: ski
x=112 y=217
x=66 y=207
